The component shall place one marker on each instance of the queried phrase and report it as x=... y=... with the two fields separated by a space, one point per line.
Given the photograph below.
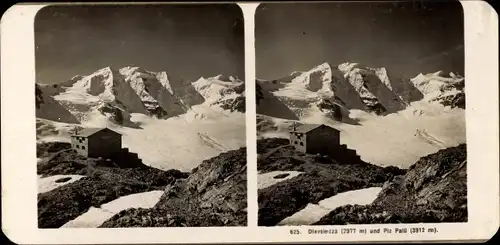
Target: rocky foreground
x=432 y=190
x=213 y=194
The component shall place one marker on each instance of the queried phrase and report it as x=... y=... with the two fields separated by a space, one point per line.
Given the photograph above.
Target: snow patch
x=314 y=212
x=94 y=217
x=268 y=179
x=138 y=200
x=49 y=183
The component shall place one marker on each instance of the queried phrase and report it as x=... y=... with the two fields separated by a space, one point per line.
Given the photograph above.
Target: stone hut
x=320 y=139
x=96 y=142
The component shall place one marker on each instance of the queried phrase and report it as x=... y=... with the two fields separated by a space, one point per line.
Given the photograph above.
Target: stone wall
x=127 y=159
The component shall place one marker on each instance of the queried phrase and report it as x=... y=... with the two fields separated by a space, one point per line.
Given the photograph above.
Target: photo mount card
x=141 y=132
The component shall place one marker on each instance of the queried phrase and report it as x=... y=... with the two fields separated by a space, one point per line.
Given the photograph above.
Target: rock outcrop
x=213 y=195
x=433 y=190
x=237 y=104
x=49 y=108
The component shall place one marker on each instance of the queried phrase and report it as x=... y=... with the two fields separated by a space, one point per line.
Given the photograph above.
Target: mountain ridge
x=353 y=86
x=116 y=93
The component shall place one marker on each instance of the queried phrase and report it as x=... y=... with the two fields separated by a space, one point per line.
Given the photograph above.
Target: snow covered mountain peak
x=436 y=78
x=104 y=71
x=110 y=94
x=437 y=75
x=353 y=86
x=315 y=80
x=219 y=88
x=347 y=66
x=448 y=89
x=325 y=66
x=296 y=73
x=128 y=70
x=223 y=78
x=77 y=77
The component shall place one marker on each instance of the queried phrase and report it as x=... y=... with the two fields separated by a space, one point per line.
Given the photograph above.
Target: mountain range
x=335 y=90
x=376 y=112
x=170 y=123
x=117 y=93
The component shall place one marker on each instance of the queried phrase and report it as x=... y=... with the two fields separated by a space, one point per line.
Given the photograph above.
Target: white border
x=19 y=213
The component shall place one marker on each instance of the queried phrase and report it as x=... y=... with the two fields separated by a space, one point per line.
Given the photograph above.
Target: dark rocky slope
x=433 y=190
x=214 y=194
x=104 y=182
x=322 y=177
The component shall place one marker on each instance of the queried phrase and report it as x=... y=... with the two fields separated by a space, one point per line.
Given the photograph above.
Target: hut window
x=295 y=142
x=83 y=147
x=301 y=143
x=77 y=147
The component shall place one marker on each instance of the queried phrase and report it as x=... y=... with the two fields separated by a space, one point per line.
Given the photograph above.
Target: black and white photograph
x=140 y=115
x=360 y=113
x=128 y=122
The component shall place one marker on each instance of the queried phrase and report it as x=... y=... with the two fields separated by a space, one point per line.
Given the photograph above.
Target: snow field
x=398 y=139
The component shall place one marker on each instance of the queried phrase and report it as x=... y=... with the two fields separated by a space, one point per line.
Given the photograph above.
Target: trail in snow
x=429 y=138
x=210 y=142
x=314 y=212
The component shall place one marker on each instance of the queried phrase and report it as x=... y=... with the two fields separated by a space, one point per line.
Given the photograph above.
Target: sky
x=187 y=41
x=405 y=37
